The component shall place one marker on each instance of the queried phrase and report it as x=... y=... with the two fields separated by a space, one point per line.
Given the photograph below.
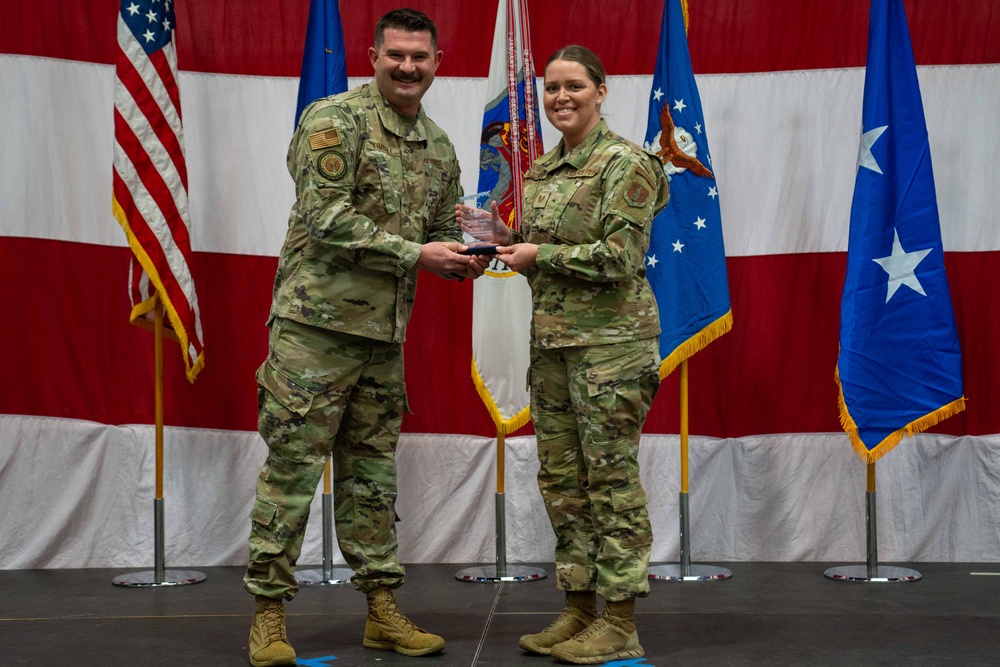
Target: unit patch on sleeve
x=324 y=139
x=636 y=194
x=331 y=165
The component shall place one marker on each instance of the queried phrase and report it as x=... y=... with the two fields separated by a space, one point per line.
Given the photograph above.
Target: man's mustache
x=407 y=78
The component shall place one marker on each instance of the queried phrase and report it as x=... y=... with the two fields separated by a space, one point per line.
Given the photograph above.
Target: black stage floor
x=766 y=614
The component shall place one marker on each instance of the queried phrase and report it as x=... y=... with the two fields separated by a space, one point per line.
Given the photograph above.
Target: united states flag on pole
x=511 y=141
x=686 y=263
x=324 y=67
x=149 y=190
x=900 y=366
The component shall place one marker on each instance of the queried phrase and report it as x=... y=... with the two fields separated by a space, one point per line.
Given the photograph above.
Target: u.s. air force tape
x=331 y=165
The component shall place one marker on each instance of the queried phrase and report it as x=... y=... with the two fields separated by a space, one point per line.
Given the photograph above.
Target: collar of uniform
x=577 y=158
x=394 y=121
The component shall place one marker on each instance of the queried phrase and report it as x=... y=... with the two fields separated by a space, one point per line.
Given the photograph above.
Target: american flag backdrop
x=783 y=118
x=149 y=193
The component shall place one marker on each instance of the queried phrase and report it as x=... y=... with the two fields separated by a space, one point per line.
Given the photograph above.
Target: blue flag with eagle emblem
x=900 y=367
x=324 y=66
x=686 y=262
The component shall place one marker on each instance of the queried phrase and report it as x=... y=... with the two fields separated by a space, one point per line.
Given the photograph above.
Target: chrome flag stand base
x=883 y=574
x=872 y=572
x=513 y=573
x=158 y=576
x=676 y=572
x=328 y=575
x=150 y=579
x=333 y=576
x=502 y=572
x=685 y=571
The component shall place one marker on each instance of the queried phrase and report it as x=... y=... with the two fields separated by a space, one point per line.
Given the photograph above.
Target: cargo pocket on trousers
x=288 y=392
x=614 y=388
x=283 y=420
x=263 y=512
x=623 y=499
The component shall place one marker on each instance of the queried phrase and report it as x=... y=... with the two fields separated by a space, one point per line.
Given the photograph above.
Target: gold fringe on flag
x=505 y=426
x=696 y=343
x=137 y=317
x=893 y=439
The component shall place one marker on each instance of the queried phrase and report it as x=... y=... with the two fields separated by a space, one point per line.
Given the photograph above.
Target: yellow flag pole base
x=872 y=572
x=328 y=575
x=501 y=571
x=159 y=575
x=485 y=574
x=685 y=571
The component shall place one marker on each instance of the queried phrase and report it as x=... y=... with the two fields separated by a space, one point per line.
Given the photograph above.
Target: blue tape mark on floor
x=316 y=662
x=634 y=662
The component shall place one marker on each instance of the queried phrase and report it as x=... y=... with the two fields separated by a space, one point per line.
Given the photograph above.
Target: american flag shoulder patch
x=324 y=139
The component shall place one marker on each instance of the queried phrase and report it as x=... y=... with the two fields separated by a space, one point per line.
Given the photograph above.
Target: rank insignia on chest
x=331 y=165
x=541 y=199
x=324 y=139
x=636 y=194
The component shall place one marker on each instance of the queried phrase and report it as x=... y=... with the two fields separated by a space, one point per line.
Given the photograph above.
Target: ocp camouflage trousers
x=588 y=405
x=320 y=392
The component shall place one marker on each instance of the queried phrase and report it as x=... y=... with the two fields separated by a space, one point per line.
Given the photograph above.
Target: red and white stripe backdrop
x=781 y=87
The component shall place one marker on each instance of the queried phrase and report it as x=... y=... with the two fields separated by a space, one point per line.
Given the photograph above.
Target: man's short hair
x=408 y=20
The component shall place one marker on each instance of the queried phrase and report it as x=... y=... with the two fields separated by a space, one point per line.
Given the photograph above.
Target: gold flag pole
x=158 y=556
x=501 y=572
x=501 y=521
x=872 y=571
x=518 y=64
x=159 y=576
x=684 y=571
x=328 y=575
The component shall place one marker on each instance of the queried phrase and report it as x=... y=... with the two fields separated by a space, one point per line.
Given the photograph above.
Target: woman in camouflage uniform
x=588 y=210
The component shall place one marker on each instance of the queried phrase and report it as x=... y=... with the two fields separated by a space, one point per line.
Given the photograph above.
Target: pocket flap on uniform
x=609 y=374
x=263 y=512
x=628 y=497
x=287 y=391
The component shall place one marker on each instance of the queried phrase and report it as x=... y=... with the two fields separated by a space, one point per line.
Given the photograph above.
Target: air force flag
x=900 y=367
x=686 y=262
x=324 y=67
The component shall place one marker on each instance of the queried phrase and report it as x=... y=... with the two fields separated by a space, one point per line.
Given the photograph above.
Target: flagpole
x=328 y=575
x=501 y=572
x=872 y=571
x=500 y=513
x=685 y=571
x=159 y=576
x=511 y=41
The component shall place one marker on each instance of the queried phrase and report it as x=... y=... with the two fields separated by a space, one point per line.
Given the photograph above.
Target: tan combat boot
x=579 y=612
x=269 y=645
x=611 y=637
x=387 y=629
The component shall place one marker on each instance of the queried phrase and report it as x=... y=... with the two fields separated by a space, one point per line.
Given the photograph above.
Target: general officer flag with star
x=900 y=367
x=686 y=262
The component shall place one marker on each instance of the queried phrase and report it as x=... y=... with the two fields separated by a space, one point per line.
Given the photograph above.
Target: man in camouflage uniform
x=375 y=182
x=587 y=215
